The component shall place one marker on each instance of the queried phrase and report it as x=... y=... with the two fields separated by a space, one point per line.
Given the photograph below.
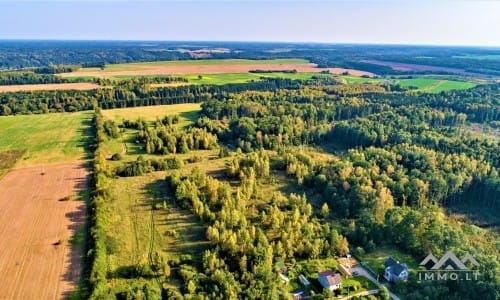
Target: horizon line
x=252 y=41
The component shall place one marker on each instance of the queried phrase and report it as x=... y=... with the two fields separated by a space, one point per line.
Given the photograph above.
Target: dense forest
x=397 y=161
x=127 y=93
x=307 y=170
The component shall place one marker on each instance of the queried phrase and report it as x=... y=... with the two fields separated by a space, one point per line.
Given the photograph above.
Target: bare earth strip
x=48 y=87
x=213 y=69
x=32 y=221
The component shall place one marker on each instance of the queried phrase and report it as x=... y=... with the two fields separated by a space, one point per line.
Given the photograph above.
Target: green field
x=58 y=137
x=349 y=79
x=145 y=65
x=136 y=229
x=430 y=85
x=226 y=78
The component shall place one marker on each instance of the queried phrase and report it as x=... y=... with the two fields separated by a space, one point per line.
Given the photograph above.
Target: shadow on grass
x=86 y=132
x=190 y=115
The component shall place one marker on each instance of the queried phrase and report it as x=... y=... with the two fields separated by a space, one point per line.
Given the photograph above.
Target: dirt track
x=32 y=220
x=48 y=87
x=213 y=69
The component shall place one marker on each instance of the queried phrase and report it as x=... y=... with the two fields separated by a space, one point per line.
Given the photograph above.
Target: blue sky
x=436 y=22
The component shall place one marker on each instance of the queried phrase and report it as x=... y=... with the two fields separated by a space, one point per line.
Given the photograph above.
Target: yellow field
x=186 y=111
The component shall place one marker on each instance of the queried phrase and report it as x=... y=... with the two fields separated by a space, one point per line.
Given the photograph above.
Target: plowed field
x=37 y=218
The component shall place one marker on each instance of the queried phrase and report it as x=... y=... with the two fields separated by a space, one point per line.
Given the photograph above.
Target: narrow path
x=360 y=294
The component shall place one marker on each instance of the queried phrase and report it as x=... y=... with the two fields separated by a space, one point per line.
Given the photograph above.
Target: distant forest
x=15 y=55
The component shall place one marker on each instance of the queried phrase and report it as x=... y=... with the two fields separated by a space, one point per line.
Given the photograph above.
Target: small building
x=297 y=294
x=395 y=271
x=330 y=280
x=303 y=280
x=344 y=270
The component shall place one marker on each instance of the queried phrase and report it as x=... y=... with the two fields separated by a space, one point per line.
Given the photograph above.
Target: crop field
x=37 y=260
x=206 y=67
x=187 y=112
x=199 y=62
x=46 y=138
x=39 y=207
x=84 y=86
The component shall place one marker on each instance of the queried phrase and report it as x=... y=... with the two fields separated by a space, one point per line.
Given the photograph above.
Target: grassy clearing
x=8 y=159
x=130 y=222
x=430 y=85
x=377 y=258
x=144 y=219
x=145 y=65
x=482 y=131
x=349 y=79
x=356 y=285
x=47 y=138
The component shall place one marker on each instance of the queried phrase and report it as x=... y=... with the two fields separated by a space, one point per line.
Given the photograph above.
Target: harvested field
x=218 y=67
x=36 y=261
x=188 y=112
x=84 y=86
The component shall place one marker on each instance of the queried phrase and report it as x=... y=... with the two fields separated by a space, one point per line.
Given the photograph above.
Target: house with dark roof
x=298 y=294
x=330 y=280
x=395 y=271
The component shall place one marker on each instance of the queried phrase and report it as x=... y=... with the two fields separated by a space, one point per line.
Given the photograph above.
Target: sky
x=428 y=22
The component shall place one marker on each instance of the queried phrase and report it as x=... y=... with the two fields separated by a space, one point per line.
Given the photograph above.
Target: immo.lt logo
x=449 y=267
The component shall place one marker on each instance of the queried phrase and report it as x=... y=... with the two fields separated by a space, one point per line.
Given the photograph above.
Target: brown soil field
x=215 y=69
x=48 y=87
x=36 y=258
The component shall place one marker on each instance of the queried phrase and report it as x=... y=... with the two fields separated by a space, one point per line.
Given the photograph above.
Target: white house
x=330 y=280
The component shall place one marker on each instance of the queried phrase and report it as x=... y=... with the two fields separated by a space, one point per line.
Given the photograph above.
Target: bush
x=195 y=158
x=116 y=157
